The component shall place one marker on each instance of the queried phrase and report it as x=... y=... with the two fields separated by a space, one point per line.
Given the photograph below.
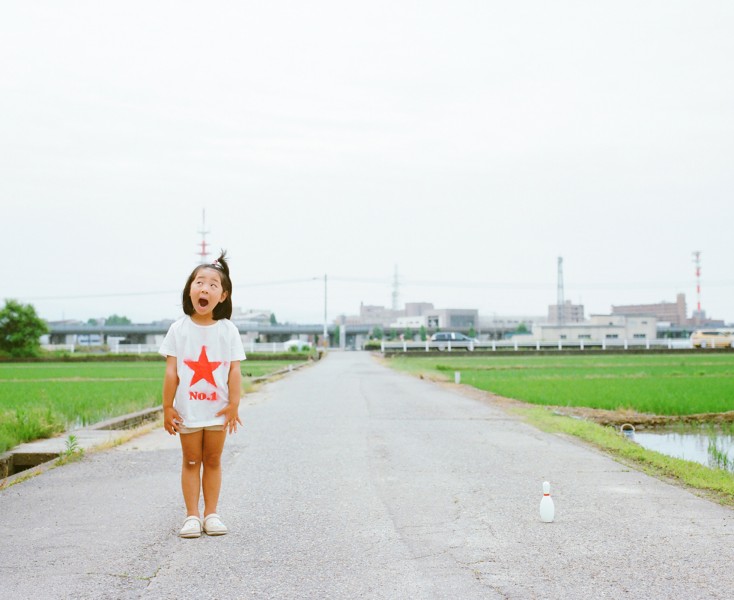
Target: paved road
x=351 y=481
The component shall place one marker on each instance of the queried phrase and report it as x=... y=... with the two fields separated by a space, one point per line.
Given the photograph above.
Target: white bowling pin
x=547 y=510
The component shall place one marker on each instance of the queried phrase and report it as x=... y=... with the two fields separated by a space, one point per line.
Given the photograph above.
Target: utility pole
x=326 y=330
x=560 y=299
x=395 y=290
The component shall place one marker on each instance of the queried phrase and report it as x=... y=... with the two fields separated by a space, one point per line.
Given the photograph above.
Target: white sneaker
x=191 y=527
x=213 y=525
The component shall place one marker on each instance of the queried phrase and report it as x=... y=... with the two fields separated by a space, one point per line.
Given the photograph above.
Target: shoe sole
x=189 y=535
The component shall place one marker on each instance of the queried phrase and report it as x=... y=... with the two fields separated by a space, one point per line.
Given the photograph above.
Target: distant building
x=414 y=309
x=257 y=315
x=670 y=312
x=566 y=313
x=508 y=322
x=371 y=314
x=699 y=319
x=252 y=314
x=410 y=322
x=414 y=315
x=453 y=318
x=249 y=322
x=598 y=328
x=440 y=318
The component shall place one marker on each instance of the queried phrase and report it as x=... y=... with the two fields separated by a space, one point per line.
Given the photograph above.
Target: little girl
x=202 y=389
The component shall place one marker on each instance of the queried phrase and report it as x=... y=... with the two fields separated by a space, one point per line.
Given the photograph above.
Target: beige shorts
x=184 y=429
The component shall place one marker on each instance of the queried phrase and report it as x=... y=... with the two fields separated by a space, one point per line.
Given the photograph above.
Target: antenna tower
x=203 y=253
x=697 y=262
x=560 y=300
x=395 y=289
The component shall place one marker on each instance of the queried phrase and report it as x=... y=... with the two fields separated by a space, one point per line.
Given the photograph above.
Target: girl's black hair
x=223 y=310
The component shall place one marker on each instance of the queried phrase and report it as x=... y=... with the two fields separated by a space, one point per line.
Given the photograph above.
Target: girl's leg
x=191 y=446
x=212 y=479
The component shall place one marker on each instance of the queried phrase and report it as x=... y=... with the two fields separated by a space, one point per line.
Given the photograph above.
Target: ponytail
x=223 y=310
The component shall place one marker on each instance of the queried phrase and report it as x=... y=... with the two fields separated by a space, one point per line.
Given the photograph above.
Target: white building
x=597 y=329
x=415 y=322
x=439 y=318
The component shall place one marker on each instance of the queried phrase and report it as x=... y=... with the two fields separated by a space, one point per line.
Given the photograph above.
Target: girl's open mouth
x=203 y=302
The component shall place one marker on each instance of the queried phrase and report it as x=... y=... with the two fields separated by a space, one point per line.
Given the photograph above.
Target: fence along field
x=43 y=399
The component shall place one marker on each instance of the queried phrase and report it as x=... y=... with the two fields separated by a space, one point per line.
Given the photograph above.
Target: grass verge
x=715 y=484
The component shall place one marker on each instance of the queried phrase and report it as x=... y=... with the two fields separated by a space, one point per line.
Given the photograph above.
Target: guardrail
x=503 y=345
x=98 y=349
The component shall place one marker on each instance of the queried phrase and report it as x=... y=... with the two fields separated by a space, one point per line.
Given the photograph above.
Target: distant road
x=353 y=481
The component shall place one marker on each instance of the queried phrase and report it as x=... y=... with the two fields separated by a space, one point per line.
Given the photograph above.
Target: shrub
x=20 y=330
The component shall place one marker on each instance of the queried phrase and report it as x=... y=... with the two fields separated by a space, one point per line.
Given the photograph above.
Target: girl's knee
x=212 y=461
x=191 y=462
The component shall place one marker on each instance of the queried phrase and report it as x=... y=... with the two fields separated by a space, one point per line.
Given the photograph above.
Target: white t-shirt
x=203 y=356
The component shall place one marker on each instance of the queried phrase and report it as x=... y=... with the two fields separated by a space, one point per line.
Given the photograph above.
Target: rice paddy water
x=706 y=446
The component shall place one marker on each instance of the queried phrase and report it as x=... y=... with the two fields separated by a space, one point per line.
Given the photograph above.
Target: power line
x=491 y=285
x=91 y=296
x=159 y=292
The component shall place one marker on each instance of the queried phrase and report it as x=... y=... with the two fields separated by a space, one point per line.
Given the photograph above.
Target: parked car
x=711 y=338
x=458 y=340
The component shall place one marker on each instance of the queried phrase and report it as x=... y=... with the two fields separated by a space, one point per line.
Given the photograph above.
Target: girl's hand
x=171 y=420
x=231 y=417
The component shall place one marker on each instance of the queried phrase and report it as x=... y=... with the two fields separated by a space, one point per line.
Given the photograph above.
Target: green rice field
x=664 y=384
x=42 y=399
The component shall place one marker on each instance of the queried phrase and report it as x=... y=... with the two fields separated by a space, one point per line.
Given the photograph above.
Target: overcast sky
x=470 y=143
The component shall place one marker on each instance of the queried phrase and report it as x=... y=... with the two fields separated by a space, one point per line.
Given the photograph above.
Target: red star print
x=202 y=368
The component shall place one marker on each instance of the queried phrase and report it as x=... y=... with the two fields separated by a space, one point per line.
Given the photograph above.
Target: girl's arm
x=231 y=411
x=171 y=418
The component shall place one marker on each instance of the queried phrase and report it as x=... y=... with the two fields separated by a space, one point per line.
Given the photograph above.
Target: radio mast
x=697 y=262
x=560 y=299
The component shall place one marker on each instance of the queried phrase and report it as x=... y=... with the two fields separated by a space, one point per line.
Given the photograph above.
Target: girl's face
x=206 y=292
